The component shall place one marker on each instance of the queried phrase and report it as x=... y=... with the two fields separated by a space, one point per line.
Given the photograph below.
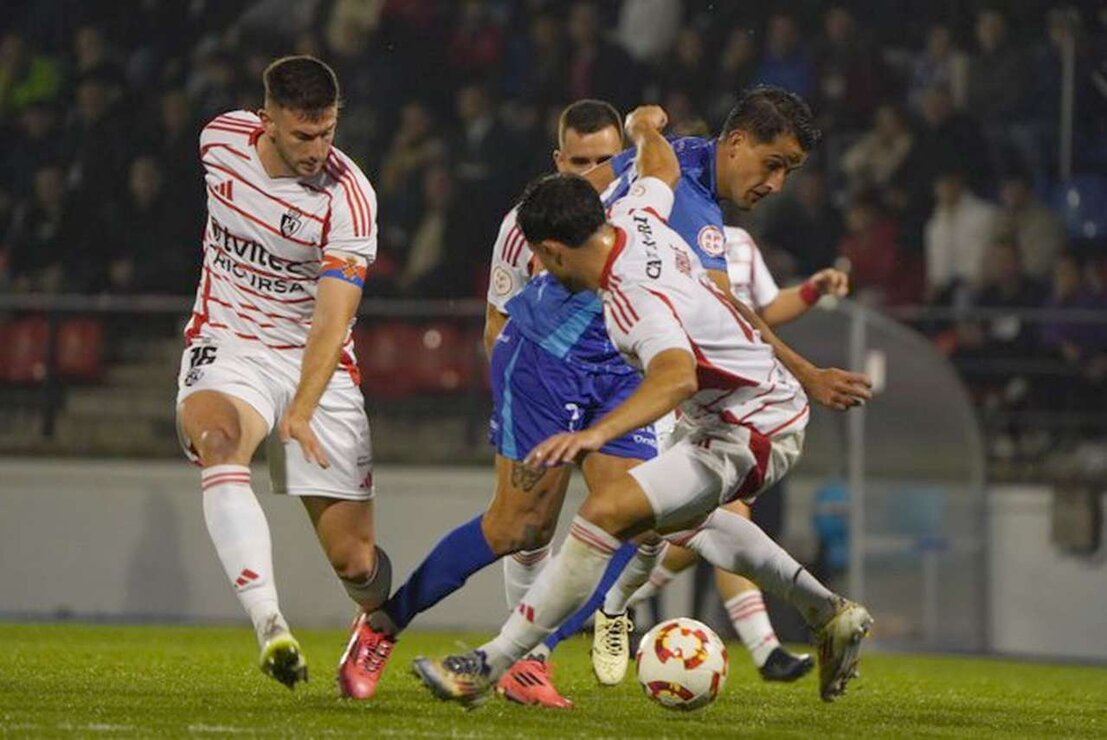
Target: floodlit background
x=962 y=182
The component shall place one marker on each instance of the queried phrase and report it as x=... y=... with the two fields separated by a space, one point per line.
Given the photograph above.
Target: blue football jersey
x=696 y=214
x=568 y=325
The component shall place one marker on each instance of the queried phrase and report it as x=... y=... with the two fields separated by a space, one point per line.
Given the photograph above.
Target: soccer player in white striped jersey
x=752 y=283
x=289 y=235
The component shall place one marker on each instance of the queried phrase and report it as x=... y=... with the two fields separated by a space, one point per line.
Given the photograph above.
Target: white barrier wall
x=119 y=539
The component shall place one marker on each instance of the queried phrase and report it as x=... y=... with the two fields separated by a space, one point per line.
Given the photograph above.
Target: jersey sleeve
x=641 y=324
x=645 y=194
x=510 y=267
x=763 y=287
x=622 y=162
x=353 y=225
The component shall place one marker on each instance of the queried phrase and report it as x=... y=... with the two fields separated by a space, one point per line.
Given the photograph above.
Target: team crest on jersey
x=291 y=222
x=501 y=281
x=638 y=190
x=711 y=240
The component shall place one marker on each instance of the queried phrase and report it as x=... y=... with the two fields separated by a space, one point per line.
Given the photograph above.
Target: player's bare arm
x=791 y=303
x=655 y=156
x=340 y=284
x=670 y=378
x=494 y=321
x=831 y=387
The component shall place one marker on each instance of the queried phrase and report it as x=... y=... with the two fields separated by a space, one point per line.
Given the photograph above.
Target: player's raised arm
x=655 y=156
x=341 y=279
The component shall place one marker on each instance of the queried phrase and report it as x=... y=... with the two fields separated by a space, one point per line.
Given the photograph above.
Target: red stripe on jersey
x=199 y=319
x=616 y=250
x=215 y=127
x=348 y=364
x=714 y=290
x=244 y=289
x=244 y=180
x=258 y=221
x=352 y=204
x=514 y=246
x=590 y=539
x=255 y=338
x=218 y=125
x=626 y=302
x=650 y=209
x=228 y=118
x=251 y=307
x=509 y=240
x=620 y=314
x=358 y=191
x=327 y=218
x=220 y=145
x=708 y=375
x=616 y=315
x=341 y=170
x=776 y=430
x=761 y=447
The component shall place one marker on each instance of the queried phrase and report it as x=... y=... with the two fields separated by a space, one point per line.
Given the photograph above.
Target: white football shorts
x=267 y=380
x=706 y=467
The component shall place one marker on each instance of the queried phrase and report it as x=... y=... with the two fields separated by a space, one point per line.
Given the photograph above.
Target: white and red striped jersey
x=512 y=264
x=265 y=238
x=750 y=280
x=657 y=297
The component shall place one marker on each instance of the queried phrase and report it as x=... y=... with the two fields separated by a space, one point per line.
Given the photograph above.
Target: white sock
x=751 y=622
x=733 y=543
x=635 y=575
x=240 y=534
x=659 y=579
x=520 y=571
x=560 y=590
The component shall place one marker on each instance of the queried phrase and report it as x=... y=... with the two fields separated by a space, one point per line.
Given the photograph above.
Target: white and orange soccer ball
x=682 y=664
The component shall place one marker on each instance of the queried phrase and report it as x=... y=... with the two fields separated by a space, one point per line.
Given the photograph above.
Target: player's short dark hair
x=301 y=83
x=563 y=207
x=587 y=117
x=766 y=112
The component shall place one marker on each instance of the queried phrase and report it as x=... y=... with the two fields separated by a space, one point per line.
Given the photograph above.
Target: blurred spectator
x=154 y=245
x=436 y=265
x=25 y=76
x=174 y=138
x=1000 y=82
x=736 y=70
x=881 y=272
x=97 y=141
x=688 y=70
x=351 y=26
x=849 y=73
x=93 y=55
x=784 y=60
x=957 y=235
x=46 y=239
x=803 y=222
x=648 y=28
x=537 y=61
x=477 y=44
x=34 y=144
x=940 y=64
x=1075 y=342
x=485 y=166
x=1035 y=227
x=952 y=139
x=213 y=84
x=598 y=68
x=415 y=147
x=878 y=156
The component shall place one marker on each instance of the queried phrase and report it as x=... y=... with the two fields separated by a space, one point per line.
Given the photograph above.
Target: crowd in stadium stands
x=933 y=182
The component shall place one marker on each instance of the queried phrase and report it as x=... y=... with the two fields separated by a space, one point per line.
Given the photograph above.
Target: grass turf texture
x=62 y=679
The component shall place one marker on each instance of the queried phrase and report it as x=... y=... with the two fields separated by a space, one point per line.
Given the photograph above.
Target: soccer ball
x=682 y=664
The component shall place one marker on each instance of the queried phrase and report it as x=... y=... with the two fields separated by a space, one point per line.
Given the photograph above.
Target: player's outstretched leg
x=746 y=607
x=733 y=543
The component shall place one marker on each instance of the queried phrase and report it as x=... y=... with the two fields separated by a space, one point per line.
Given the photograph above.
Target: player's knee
x=605 y=513
x=218 y=445
x=508 y=533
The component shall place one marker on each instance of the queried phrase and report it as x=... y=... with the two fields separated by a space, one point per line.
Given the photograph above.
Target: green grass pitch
x=144 y=681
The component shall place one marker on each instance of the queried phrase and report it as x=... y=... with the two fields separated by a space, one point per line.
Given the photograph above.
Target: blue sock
x=575 y=623
x=458 y=555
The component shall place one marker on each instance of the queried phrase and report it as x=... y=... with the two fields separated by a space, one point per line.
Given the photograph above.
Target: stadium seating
x=1082 y=203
